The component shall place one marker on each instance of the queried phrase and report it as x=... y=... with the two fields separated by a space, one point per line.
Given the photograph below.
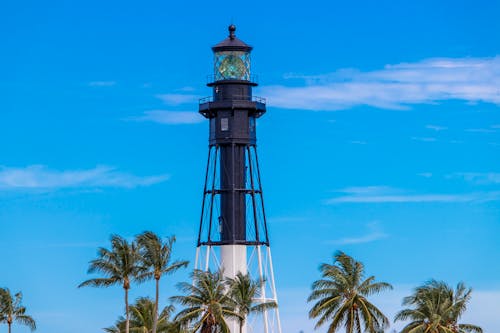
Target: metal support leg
x=207 y=259
x=273 y=288
x=262 y=287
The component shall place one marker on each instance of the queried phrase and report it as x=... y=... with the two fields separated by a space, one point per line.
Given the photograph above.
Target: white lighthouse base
x=233 y=261
x=255 y=260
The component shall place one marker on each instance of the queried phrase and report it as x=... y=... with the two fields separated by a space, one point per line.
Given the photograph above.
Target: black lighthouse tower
x=233 y=234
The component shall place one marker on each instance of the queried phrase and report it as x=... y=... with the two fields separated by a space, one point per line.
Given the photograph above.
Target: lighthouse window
x=224 y=124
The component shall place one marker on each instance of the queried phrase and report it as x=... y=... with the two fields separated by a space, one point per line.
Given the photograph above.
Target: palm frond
x=27 y=321
x=438 y=307
x=11 y=308
x=340 y=297
x=469 y=328
x=99 y=282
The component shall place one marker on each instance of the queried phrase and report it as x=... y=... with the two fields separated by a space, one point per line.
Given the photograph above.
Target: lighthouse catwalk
x=233 y=235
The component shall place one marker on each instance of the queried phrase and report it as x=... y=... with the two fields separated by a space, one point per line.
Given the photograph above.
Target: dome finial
x=232 y=29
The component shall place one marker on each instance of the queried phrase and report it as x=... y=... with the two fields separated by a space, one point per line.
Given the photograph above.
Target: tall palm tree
x=11 y=310
x=156 y=257
x=436 y=308
x=207 y=304
x=120 y=265
x=341 y=297
x=246 y=294
x=142 y=318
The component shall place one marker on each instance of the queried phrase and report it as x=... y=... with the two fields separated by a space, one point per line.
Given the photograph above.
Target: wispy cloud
x=39 y=177
x=102 y=83
x=177 y=99
x=368 y=238
x=478 y=177
x=169 y=117
x=425 y=174
x=426 y=139
x=436 y=128
x=186 y=89
x=382 y=194
x=357 y=142
x=480 y=130
x=395 y=87
x=374 y=234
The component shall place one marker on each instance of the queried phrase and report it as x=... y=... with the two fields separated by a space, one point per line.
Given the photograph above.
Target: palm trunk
x=155 y=319
x=241 y=326
x=10 y=324
x=127 y=316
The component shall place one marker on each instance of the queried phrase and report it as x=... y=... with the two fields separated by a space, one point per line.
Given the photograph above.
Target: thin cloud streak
x=436 y=128
x=395 y=87
x=388 y=195
x=102 y=83
x=39 y=177
x=177 y=99
x=374 y=236
x=480 y=130
x=170 y=117
x=424 y=139
x=403 y=198
x=425 y=174
x=483 y=178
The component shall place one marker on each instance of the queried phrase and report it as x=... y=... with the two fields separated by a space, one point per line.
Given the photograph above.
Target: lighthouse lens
x=232 y=67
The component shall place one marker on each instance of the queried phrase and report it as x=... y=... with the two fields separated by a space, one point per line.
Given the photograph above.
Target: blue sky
x=381 y=139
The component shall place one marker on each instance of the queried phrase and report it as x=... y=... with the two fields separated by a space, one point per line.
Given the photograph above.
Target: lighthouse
x=233 y=235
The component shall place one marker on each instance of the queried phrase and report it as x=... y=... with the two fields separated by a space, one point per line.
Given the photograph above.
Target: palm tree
x=119 y=326
x=207 y=303
x=436 y=308
x=120 y=265
x=341 y=297
x=246 y=294
x=12 y=311
x=142 y=318
x=156 y=256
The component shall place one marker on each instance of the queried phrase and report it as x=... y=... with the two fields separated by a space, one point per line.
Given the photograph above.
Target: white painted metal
x=207 y=258
x=196 y=258
x=233 y=261
x=273 y=287
x=263 y=287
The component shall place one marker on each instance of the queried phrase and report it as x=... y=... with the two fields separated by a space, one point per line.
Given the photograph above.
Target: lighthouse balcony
x=213 y=79
x=208 y=106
